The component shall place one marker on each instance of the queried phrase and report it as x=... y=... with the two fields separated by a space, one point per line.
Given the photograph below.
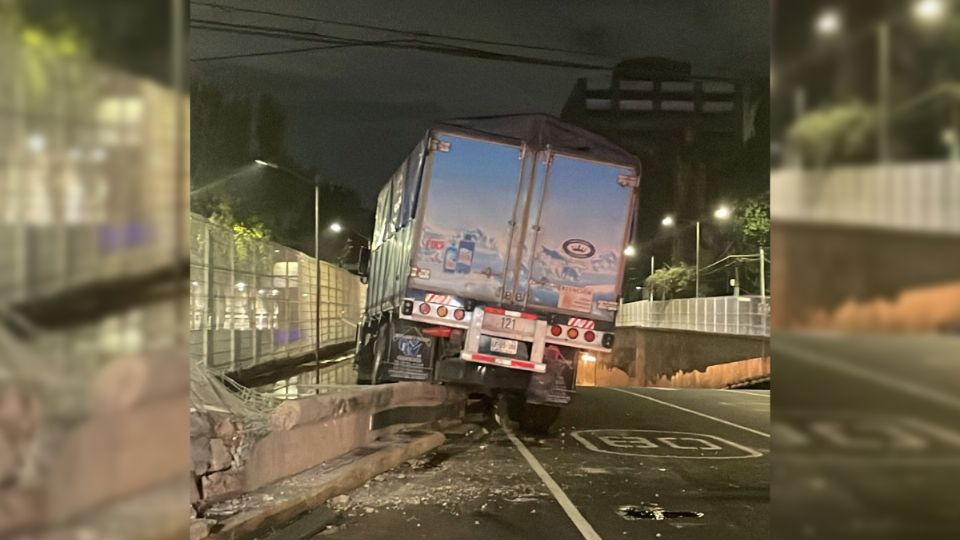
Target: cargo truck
x=496 y=261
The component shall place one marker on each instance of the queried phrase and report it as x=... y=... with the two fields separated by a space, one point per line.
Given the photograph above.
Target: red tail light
x=425 y=308
x=459 y=314
x=572 y=333
x=556 y=331
x=589 y=335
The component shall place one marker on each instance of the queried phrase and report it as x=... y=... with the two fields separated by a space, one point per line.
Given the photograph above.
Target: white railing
x=741 y=315
x=903 y=196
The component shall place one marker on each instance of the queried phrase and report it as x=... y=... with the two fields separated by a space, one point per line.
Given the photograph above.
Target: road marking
x=571 y=510
x=698 y=413
x=758 y=394
x=653 y=443
x=913 y=389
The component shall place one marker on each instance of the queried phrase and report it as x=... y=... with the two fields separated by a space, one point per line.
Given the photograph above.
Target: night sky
x=354 y=112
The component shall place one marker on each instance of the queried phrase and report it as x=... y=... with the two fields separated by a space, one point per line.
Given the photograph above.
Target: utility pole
x=650 y=292
x=763 y=279
x=883 y=92
x=696 y=293
x=316 y=259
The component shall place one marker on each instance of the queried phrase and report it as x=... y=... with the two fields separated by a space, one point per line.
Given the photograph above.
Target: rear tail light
x=572 y=333
x=589 y=336
x=442 y=311
x=425 y=308
x=459 y=314
x=555 y=331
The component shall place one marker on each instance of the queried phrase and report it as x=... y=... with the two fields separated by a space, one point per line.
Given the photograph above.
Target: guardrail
x=253 y=301
x=904 y=196
x=740 y=315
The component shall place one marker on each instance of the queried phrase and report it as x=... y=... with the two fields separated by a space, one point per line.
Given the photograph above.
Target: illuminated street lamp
x=335 y=227
x=929 y=10
x=630 y=251
x=722 y=213
x=829 y=23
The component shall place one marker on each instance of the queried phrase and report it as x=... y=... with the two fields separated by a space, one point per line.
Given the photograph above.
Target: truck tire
x=538 y=419
x=514 y=406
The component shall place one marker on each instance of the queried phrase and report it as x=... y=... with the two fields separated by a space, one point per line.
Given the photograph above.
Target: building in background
x=692 y=134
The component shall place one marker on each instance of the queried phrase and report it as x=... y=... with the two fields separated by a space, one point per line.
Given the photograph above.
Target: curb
x=288 y=498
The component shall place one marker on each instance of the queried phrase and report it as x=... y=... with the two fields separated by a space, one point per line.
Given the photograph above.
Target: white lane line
x=575 y=516
x=758 y=394
x=906 y=387
x=698 y=413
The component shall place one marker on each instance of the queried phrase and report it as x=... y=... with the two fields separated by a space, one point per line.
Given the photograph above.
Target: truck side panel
x=465 y=214
x=391 y=241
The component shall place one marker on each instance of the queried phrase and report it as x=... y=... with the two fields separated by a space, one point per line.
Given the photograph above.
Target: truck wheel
x=514 y=406
x=538 y=419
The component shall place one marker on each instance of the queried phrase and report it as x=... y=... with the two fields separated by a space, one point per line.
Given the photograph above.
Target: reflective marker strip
x=505 y=362
x=582 y=323
x=438 y=298
x=509 y=313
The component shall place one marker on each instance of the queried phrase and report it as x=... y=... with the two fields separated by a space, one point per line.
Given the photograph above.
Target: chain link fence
x=740 y=315
x=919 y=197
x=254 y=301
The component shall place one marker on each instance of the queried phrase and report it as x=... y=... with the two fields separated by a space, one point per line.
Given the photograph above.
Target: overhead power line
x=328 y=39
x=398 y=31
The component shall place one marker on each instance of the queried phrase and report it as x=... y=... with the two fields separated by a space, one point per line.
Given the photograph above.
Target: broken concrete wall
x=229 y=459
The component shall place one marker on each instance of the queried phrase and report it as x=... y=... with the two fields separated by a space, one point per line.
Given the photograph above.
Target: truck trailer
x=496 y=261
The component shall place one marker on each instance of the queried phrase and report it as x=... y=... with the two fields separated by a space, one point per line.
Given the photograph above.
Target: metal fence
x=254 y=301
x=909 y=196
x=91 y=174
x=741 y=315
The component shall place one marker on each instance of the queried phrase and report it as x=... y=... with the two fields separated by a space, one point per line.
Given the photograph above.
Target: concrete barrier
x=73 y=462
x=306 y=432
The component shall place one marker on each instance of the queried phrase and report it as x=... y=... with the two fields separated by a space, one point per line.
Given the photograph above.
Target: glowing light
x=929 y=10
x=336 y=227
x=721 y=213
x=667 y=221
x=630 y=251
x=587 y=357
x=828 y=23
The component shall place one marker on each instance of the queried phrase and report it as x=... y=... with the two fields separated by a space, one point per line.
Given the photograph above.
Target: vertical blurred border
x=865 y=199
x=94 y=385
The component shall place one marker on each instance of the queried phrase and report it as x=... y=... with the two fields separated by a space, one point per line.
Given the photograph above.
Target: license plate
x=503 y=323
x=505 y=346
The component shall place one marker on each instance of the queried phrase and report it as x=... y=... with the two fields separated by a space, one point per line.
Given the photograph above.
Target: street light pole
x=696 y=293
x=883 y=91
x=316 y=259
x=316 y=245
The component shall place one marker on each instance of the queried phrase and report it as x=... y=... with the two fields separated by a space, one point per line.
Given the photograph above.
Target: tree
x=835 y=134
x=678 y=281
x=752 y=224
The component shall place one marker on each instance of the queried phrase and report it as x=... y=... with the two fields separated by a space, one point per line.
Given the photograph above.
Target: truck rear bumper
x=480 y=375
x=538 y=367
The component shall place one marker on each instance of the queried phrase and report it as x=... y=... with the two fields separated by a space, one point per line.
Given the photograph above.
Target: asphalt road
x=621 y=459
x=866 y=433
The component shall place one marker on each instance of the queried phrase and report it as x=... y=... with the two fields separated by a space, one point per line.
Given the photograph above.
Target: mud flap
x=555 y=386
x=407 y=353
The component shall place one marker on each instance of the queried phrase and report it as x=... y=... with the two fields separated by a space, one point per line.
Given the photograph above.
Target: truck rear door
x=467 y=204
x=586 y=210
